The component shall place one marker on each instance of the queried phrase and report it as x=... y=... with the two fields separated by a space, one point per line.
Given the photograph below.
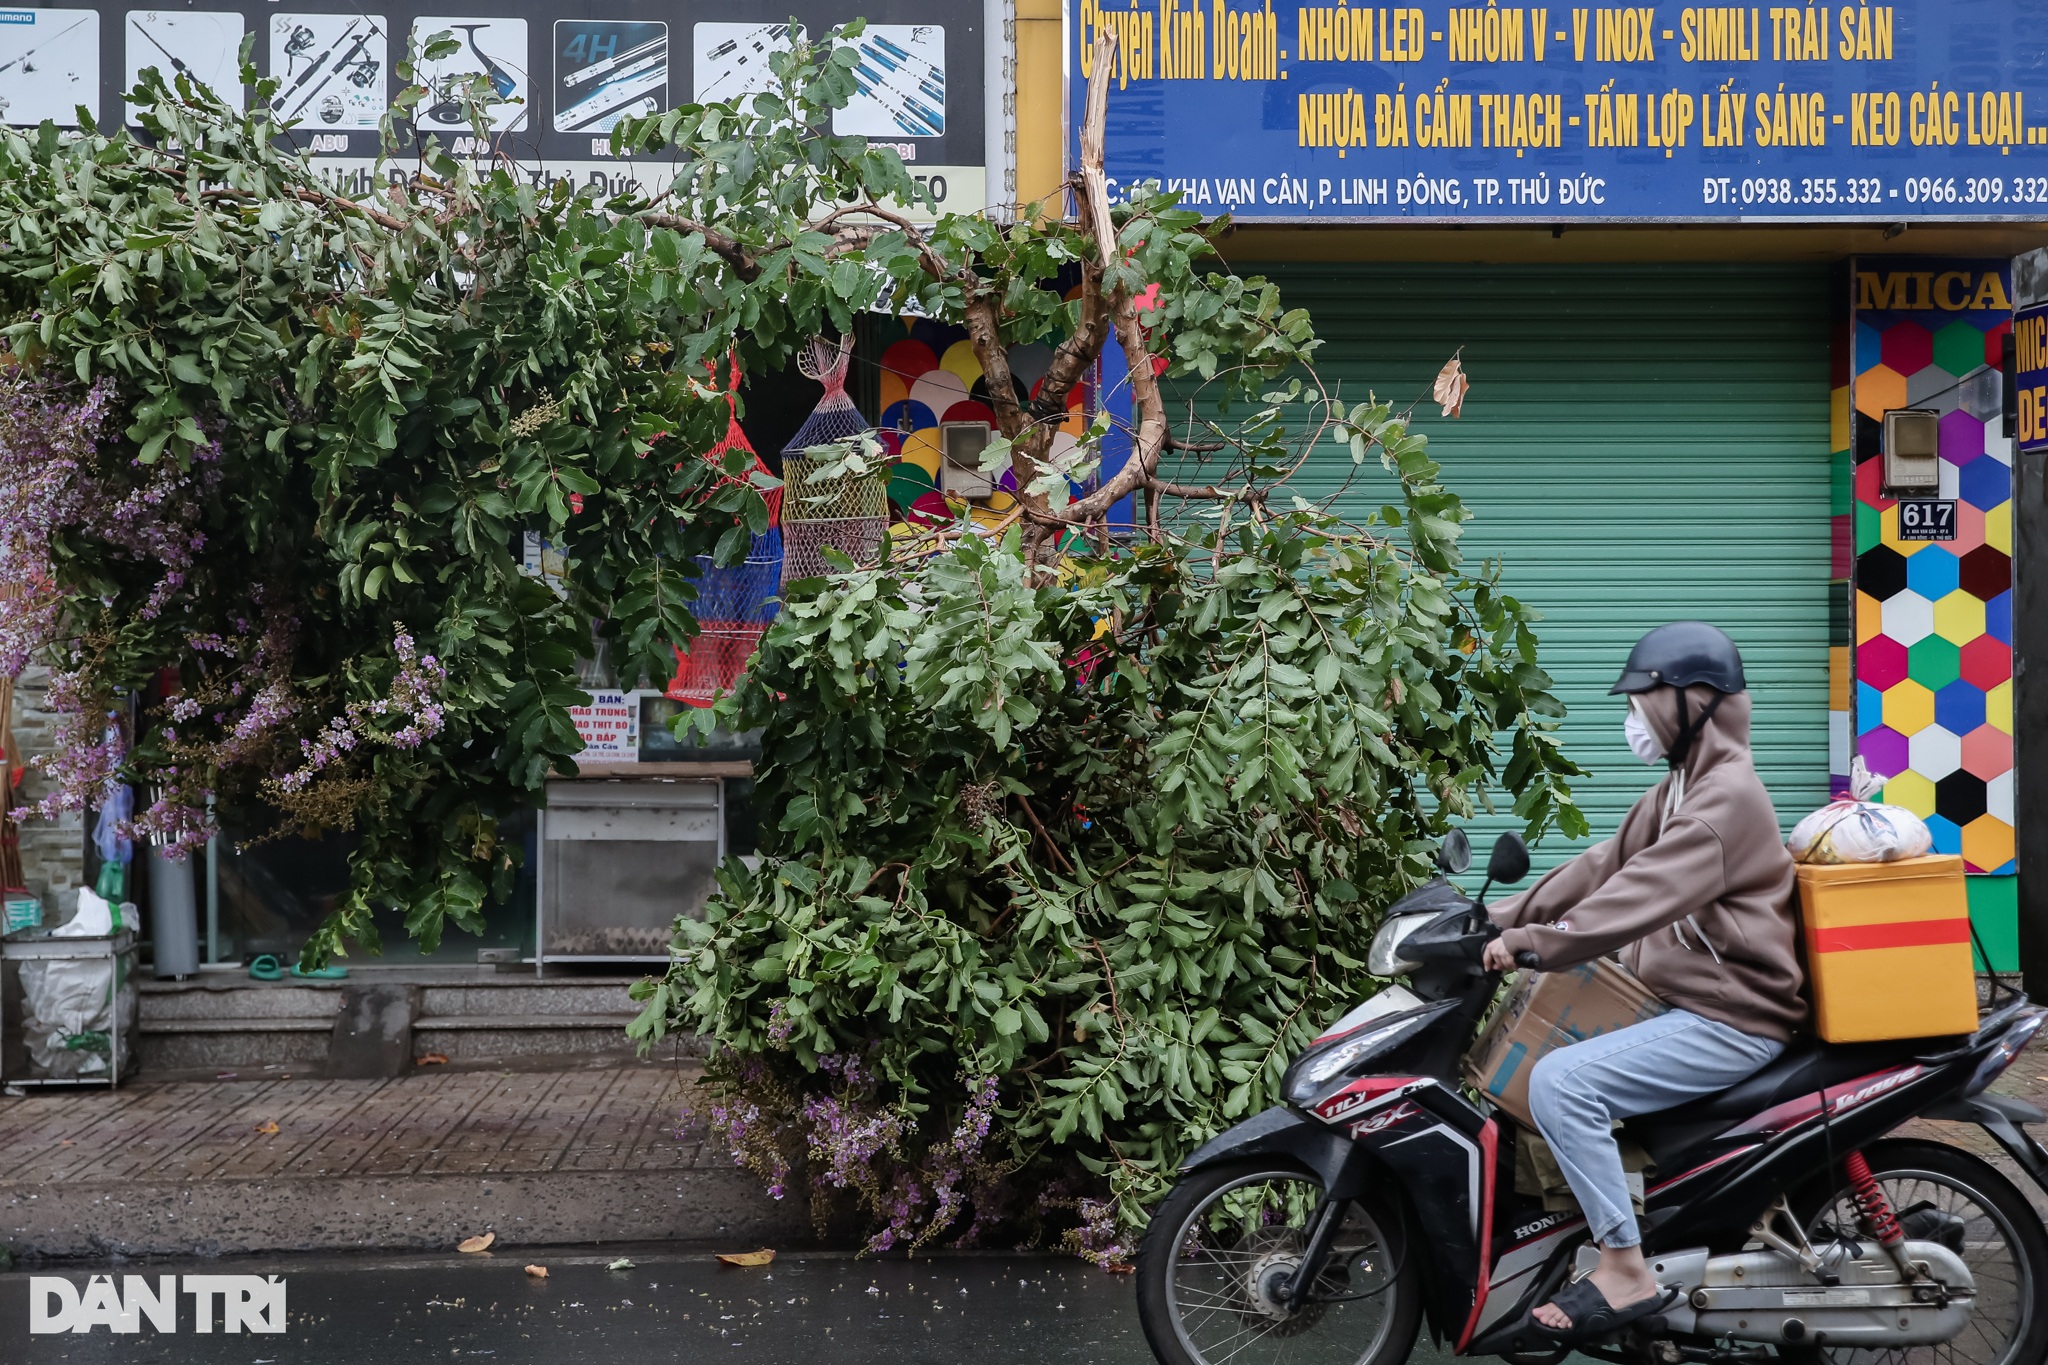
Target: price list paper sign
x=1461 y=113
x=609 y=728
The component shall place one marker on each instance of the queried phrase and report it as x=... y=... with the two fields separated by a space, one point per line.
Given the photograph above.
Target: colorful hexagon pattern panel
x=1932 y=705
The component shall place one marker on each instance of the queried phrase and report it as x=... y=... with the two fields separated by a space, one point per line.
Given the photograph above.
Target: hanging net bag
x=735 y=438
x=850 y=513
x=734 y=605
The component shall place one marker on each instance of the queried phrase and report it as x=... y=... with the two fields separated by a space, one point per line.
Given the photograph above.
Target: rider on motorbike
x=1695 y=893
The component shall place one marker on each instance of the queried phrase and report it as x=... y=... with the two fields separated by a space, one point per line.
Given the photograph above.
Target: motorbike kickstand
x=1796 y=1246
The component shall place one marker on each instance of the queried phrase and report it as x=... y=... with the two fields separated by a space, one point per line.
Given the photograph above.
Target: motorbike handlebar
x=1525 y=958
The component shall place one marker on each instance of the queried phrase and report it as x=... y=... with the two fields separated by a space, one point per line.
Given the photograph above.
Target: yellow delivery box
x=1888 y=948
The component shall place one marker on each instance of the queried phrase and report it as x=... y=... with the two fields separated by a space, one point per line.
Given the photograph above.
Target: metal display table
x=91 y=982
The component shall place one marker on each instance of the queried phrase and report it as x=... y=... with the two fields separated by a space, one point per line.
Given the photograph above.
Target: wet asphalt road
x=812 y=1309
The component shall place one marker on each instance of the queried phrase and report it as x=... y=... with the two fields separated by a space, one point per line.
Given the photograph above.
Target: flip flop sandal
x=1593 y=1317
x=330 y=972
x=264 y=967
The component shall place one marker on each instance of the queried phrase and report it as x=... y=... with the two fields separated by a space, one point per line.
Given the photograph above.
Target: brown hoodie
x=1701 y=902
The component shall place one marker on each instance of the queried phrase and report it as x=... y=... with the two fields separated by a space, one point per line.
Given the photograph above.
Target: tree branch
x=728 y=248
x=1149 y=435
x=934 y=265
x=319 y=197
x=1043 y=833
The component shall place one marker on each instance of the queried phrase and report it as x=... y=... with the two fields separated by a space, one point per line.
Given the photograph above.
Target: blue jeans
x=1576 y=1093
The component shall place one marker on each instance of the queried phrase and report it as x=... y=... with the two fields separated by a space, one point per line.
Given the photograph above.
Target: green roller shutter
x=1641 y=444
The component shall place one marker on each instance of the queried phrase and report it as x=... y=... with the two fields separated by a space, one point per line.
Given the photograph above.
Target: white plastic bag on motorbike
x=1856 y=829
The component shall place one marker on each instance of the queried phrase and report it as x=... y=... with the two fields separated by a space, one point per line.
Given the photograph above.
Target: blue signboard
x=1929 y=110
x=2030 y=363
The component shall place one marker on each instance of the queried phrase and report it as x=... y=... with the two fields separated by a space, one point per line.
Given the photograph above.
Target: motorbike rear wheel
x=1963 y=1197
x=1224 y=1243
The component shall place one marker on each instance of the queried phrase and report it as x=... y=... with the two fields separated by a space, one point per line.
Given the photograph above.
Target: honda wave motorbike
x=1792 y=1220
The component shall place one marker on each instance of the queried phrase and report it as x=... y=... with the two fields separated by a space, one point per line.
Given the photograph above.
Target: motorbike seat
x=1805 y=1066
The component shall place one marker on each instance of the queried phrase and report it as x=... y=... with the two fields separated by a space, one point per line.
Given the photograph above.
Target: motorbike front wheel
x=1222 y=1248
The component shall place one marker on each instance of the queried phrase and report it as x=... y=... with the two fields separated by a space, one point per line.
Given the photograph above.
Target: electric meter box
x=1912 y=451
x=963 y=443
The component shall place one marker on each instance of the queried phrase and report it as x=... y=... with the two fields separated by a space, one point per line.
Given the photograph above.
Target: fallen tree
x=1071 y=841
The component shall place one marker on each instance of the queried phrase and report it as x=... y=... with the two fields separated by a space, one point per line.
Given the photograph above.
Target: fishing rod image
x=177 y=62
x=904 y=59
x=603 y=71
x=910 y=89
x=625 y=93
x=319 y=64
x=362 y=70
x=741 y=57
x=23 y=57
x=592 y=114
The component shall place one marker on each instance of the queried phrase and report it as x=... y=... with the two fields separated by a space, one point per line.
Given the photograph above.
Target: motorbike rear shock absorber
x=1871 y=1202
x=1876 y=1210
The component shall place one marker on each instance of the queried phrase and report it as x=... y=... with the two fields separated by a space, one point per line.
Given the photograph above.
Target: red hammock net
x=734 y=605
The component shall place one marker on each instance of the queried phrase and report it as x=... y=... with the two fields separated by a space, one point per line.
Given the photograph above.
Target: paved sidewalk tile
x=614 y=1115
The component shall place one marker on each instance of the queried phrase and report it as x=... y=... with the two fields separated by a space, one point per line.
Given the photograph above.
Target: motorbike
x=1793 y=1218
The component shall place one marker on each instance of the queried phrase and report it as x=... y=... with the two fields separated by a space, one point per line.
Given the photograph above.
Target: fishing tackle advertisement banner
x=1929 y=110
x=569 y=71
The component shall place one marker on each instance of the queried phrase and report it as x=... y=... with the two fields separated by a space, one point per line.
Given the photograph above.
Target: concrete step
x=225 y=1023
x=514 y=995
x=229 y=1045
x=228 y=1022
x=475 y=1021
x=251 y=1000
x=486 y=1036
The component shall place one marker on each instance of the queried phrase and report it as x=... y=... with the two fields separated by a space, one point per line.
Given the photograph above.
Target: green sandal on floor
x=331 y=972
x=264 y=967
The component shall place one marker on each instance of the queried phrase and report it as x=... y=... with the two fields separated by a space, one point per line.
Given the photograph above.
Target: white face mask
x=1641 y=741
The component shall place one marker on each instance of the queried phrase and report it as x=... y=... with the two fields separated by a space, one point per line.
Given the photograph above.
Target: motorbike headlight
x=1317 y=1069
x=1385 y=958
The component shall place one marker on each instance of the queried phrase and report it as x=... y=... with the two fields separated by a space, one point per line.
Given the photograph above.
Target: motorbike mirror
x=1454 y=853
x=1509 y=862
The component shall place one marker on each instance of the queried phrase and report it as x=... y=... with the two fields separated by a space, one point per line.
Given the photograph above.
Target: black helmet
x=1682 y=653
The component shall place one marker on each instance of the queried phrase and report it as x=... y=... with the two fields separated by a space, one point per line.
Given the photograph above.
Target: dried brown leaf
x=539 y=1272
x=1451 y=386
x=268 y=1128
x=761 y=1257
x=478 y=1243
x=430 y=1059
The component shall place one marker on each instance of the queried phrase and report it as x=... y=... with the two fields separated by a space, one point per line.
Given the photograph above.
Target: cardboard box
x=1546 y=1011
x=1888 y=949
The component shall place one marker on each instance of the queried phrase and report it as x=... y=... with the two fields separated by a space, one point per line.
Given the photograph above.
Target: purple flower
x=411 y=699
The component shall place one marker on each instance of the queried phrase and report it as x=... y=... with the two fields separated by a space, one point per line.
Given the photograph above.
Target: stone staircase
x=510 y=1017
x=227 y=1022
